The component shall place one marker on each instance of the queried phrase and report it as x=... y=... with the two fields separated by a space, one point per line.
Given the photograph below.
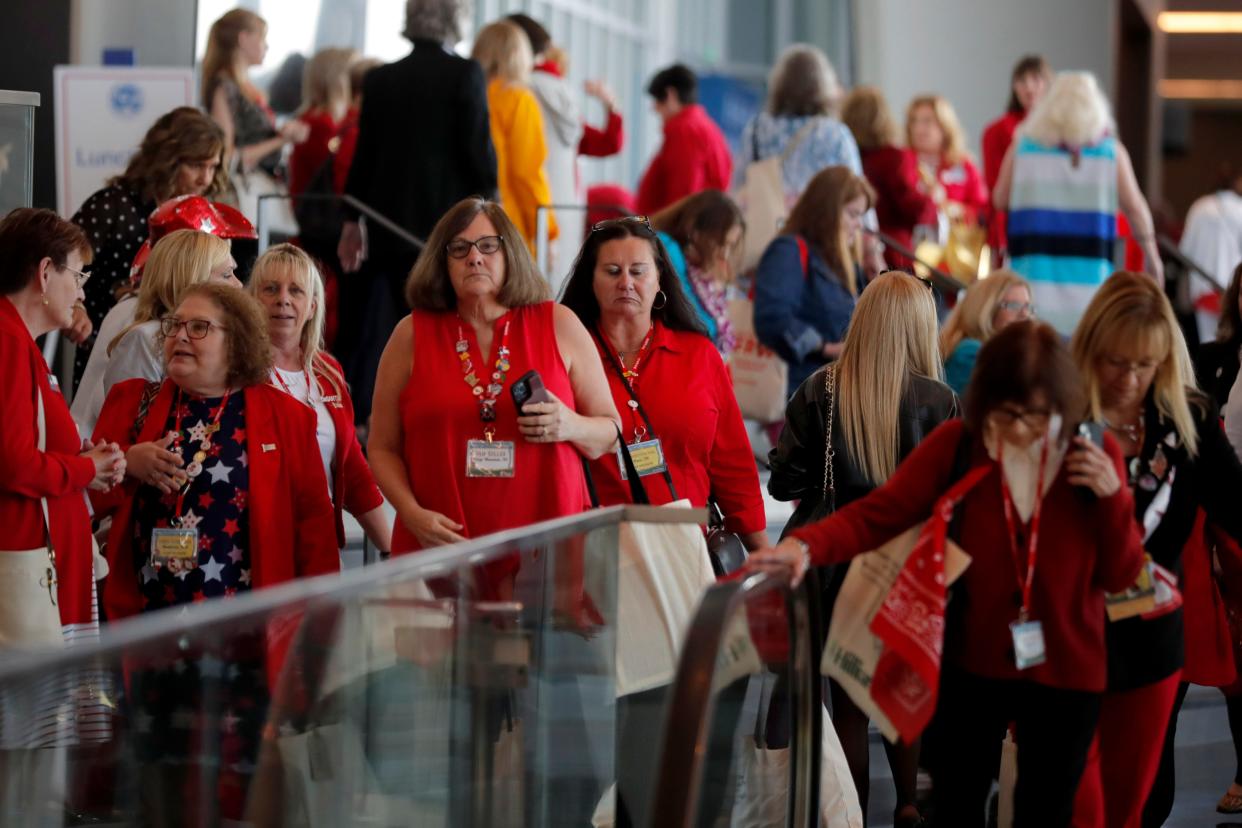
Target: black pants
x=370 y=304
x=1054 y=732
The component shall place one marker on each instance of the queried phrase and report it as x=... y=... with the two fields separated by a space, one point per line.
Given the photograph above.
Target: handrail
x=197 y=619
x=943 y=280
x=692 y=701
x=361 y=206
x=542 y=242
x=1170 y=249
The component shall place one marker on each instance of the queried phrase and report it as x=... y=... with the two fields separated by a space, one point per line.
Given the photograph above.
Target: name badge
x=174 y=549
x=1028 y=644
x=1137 y=599
x=648 y=457
x=489 y=459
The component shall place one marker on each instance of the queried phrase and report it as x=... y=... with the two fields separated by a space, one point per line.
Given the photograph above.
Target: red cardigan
x=1087 y=546
x=694 y=157
x=996 y=140
x=353 y=486
x=686 y=391
x=291 y=532
x=60 y=472
x=899 y=203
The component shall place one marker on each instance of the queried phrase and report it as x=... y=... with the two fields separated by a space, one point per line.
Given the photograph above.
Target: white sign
x=102 y=114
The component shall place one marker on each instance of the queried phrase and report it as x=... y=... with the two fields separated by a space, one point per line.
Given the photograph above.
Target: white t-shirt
x=137 y=355
x=296 y=384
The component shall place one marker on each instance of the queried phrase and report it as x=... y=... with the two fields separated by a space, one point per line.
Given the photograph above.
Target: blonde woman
x=503 y=50
x=988 y=306
x=236 y=42
x=1062 y=181
x=290 y=289
x=326 y=98
x=946 y=169
x=885 y=395
x=1140 y=386
x=129 y=335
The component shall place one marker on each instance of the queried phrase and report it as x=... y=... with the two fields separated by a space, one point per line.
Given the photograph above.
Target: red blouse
x=899 y=203
x=996 y=140
x=439 y=414
x=59 y=472
x=307 y=157
x=1087 y=546
x=686 y=391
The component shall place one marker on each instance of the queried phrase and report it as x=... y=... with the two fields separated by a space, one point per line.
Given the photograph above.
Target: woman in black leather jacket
x=885 y=395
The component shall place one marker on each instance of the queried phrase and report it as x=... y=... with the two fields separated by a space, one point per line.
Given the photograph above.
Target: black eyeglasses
x=641 y=221
x=194 y=328
x=460 y=248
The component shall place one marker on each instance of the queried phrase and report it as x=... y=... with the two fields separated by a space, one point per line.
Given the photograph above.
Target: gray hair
x=438 y=20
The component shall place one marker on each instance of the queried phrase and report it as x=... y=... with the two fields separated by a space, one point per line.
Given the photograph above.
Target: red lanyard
x=289 y=391
x=195 y=466
x=489 y=393
x=1032 y=542
x=629 y=378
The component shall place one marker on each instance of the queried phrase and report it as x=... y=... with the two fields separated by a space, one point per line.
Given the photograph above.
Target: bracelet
x=806 y=552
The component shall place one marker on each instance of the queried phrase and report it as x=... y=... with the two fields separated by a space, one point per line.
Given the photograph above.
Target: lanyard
x=289 y=391
x=1032 y=542
x=195 y=467
x=489 y=393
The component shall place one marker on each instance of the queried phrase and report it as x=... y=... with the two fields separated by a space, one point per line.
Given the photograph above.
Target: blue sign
x=731 y=103
x=126 y=99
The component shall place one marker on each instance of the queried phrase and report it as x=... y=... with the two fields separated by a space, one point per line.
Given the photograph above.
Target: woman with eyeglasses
x=989 y=305
x=1140 y=387
x=235 y=500
x=809 y=276
x=449 y=447
x=289 y=286
x=880 y=400
x=1049 y=528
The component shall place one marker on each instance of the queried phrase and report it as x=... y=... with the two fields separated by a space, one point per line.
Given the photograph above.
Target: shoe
x=1231 y=802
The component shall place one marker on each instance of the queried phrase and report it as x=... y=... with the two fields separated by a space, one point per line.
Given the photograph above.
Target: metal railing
x=263 y=228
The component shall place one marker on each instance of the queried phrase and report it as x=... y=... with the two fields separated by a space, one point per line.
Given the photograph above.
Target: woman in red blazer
x=1043 y=557
x=287 y=284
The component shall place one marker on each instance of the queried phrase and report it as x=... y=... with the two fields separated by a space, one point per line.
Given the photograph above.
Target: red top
x=439 y=414
x=685 y=389
x=963 y=184
x=595 y=142
x=58 y=473
x=694 y=157
x=307 y=157
x=996 y=140
x=1087 y=546
x=291 y=532
x=345 y=152
x=900 y=204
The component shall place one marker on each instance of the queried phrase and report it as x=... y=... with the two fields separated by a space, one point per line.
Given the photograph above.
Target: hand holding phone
x=529 y=388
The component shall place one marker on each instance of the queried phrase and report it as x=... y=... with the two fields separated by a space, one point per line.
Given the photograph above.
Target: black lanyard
x=638 y=406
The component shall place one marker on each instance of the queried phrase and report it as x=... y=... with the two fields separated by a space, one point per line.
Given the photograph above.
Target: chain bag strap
x=830 y=481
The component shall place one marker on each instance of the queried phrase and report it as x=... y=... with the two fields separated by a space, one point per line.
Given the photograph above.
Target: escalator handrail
x=361 y=206
x=1169 y=248
x=691 y=704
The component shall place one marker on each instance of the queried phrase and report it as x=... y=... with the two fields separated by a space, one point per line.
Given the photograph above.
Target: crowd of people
x=214 y=435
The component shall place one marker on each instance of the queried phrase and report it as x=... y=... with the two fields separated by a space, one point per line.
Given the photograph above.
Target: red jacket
x=694 y=157
x=307 y=157
x=60 y=472
x=963 y=184
x=291 y=531
x=899 y=204
x=1087 y=546
x=996 y=140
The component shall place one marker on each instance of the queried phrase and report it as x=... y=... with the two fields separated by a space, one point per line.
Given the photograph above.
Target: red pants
x=1125 y=756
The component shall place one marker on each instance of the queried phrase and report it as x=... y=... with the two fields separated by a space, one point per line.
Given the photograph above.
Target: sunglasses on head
x=624 y=221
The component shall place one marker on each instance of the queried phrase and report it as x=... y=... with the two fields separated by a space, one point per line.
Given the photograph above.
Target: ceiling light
x=1200 y=22
x=1200 y=89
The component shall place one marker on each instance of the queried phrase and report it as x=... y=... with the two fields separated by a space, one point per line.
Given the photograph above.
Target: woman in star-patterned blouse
x=180 y=155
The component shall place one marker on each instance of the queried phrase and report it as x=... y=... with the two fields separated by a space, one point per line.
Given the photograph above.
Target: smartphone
x=1093 y=432
x=529 y=388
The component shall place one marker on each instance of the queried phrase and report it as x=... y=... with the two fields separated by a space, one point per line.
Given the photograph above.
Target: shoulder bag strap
x=797 y=139
x=149 y=393
x=612 y=361
x=830 y=480
x=804 y=256
x=41 y=428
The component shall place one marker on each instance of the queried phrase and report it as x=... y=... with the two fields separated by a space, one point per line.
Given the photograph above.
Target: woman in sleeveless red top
x=444 y=415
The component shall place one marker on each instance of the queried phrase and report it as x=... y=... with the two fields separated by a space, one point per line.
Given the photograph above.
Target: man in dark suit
x=424 y=143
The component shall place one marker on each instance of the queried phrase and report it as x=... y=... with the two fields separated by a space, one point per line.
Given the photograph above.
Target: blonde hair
x=1130 y=316
x=803 y=82
x=954 y=148
x=307 y=275
x=178 y=261
x=222 y=46
x=1073 y=112
x=325 y=80
x=972 y=318
x=867 y=115
x=891 y=338
x=503 y=49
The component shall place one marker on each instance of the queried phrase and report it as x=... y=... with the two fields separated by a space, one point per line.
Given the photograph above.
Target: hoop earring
x=664 y=296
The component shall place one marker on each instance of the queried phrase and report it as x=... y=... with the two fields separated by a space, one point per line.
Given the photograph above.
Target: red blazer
x=694 y=157
x=899 y=203
x=353 y=486
x=1087 y=546
x=291 y=532
x=60 y=473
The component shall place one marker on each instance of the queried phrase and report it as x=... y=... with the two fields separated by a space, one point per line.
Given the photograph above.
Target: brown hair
x=1022 y=360
x=953 y=149
x=429 y=287
x=245 y=330
x=803 y=82
x=358 y=73
x=1027 y=65
x=222 y=46
x=703 y=220
x=867 y=115
x=817 y=218
x=184 y=135
x=1229 y=329
x=27 y=236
